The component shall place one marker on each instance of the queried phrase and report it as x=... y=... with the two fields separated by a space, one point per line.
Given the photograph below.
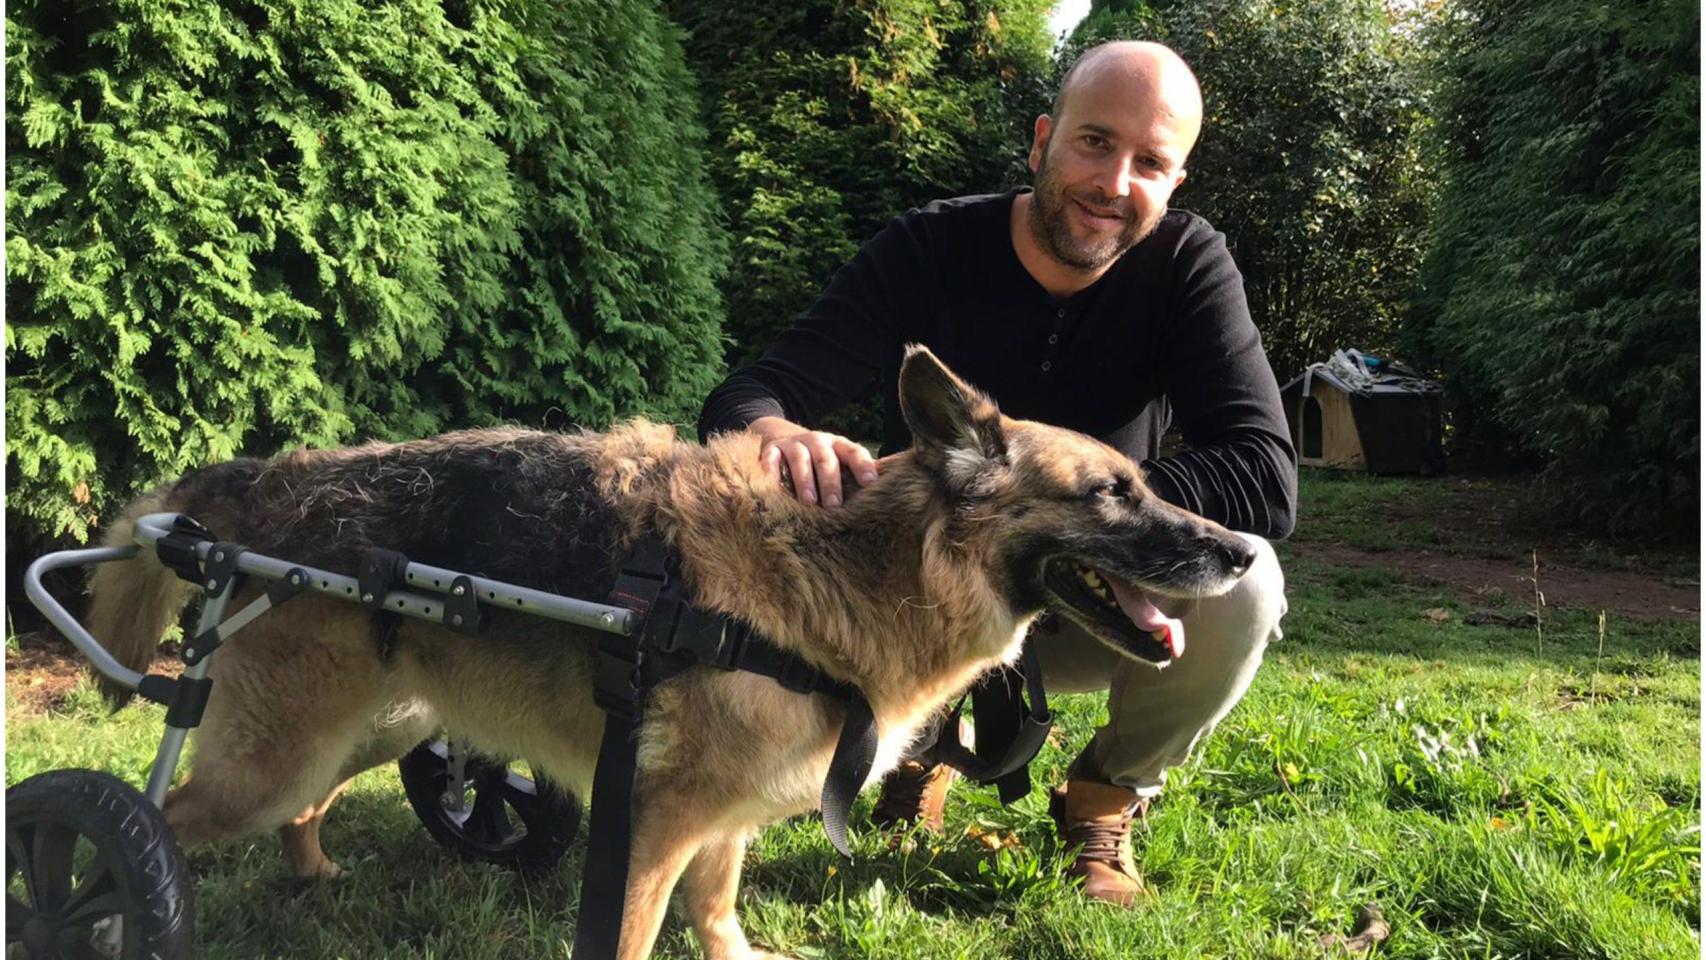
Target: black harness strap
x=855 y=752
x=1009 y=732
x=674 y=637
x=378 y=572
x=618 y=690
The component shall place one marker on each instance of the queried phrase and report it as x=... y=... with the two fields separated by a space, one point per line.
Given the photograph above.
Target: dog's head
x=1065 y=522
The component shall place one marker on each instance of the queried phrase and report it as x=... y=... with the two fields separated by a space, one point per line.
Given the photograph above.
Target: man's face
x=1105 y=169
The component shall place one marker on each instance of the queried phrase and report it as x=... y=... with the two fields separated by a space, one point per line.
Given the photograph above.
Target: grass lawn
x=1495 y=793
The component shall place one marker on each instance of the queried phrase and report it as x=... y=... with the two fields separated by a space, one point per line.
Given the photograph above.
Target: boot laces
x=1109 y=842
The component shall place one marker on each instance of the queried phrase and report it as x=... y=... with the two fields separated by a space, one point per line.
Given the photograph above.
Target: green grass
x=1495 y=801
x=1500 y=518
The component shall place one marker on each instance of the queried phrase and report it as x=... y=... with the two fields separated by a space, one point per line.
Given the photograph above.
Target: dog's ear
x=956 y=429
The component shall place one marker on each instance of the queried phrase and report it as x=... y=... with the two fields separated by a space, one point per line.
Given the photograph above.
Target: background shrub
x=1563 y=285
x=827 y=119
x=241 y=226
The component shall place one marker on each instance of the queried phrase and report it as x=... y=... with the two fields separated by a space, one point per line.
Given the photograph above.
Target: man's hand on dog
x=813 y=459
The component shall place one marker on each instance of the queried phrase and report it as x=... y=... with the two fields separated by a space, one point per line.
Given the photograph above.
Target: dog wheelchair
x=99 y=869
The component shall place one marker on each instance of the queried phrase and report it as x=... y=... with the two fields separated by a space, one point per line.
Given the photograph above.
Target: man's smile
x=1097 y=217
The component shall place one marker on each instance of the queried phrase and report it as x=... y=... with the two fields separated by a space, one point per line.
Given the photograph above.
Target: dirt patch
x=43 y=671
x=1636 y=595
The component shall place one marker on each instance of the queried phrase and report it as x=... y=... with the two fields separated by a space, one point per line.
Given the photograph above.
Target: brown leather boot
x=914 y=792
x=1094 y=820
x=917 y=790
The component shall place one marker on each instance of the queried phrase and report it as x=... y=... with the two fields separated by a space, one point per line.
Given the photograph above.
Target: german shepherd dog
x=924 y=580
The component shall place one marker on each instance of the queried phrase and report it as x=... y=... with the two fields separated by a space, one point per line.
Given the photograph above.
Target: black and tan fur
x=919 y=583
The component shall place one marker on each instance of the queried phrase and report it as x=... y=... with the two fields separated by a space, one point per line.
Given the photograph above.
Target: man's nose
x=1114 y=179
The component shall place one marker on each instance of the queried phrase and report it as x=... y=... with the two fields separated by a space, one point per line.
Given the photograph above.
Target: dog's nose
x=1239 y=555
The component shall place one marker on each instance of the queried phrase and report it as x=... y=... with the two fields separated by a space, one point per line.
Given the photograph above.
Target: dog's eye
x=1114 y=489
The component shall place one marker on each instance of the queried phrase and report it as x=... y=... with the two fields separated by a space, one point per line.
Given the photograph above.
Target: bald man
x=1087 y=303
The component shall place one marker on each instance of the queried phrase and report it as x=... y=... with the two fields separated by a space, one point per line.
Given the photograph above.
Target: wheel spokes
x=488 y=822
x=97 y=896
x=18 y=913
x=79 y=944
x=46 y=861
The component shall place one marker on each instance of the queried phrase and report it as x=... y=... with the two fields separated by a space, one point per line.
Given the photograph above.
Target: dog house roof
x=1365 y=374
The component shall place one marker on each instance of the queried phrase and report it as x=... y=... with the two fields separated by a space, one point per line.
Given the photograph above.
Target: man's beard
x=1050 y=220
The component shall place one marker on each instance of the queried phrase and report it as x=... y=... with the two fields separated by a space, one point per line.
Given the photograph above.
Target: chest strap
x=1009 y=730
x=675 y=637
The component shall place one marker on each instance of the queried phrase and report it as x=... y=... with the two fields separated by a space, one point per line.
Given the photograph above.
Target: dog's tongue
x=1147 y=617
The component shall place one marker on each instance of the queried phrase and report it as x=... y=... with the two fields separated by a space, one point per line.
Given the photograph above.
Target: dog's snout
x=1238 y=555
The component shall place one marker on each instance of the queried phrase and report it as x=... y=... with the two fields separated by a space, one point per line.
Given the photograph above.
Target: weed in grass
x=1646 y=845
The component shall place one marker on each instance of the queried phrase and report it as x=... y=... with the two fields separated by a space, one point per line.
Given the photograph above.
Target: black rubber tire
x=487 y=831
x=134 y=871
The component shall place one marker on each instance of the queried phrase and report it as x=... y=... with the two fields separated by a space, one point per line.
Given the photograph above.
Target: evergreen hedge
x=829 y=118
x=234 y=227
x=1563 y=289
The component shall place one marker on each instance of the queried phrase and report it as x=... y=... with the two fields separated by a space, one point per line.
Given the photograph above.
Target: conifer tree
x=829 y=118
x=234 y=228
x=1563 y=289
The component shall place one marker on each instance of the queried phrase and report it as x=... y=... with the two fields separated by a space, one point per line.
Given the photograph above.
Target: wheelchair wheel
x=92 y=870
x=491 y=814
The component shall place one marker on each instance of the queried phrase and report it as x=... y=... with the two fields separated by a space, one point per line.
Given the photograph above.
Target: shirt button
x=1061 y=313
x=1054 y=338
x=1046 y=366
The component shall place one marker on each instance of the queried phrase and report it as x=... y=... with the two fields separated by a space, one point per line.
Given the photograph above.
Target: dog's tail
x=133 y=601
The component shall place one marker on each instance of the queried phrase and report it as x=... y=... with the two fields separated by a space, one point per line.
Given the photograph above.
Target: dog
x=925 y=579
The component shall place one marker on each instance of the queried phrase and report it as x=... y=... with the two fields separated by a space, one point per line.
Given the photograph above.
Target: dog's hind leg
x=399 y=730
x=293 y=705
x=301 y=837
x=230 y=795
x=712 y=883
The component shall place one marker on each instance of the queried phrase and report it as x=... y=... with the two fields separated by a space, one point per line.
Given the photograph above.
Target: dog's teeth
x=1097 y=585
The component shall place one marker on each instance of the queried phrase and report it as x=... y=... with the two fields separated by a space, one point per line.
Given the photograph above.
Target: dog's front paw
x=323 y=869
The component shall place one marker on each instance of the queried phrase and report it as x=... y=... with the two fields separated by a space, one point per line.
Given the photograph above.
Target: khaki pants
x=1156 y=716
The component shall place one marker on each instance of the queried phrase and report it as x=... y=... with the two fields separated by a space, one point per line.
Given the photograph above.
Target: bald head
x=1106 y=161
x=1145 y=74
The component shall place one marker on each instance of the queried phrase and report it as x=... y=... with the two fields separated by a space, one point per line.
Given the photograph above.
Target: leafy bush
x=1309 y=160
x=828 y=118
x=235 y=227
x=1563 y=286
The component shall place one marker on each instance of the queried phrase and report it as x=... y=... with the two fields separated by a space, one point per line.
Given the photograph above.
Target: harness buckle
x=177 y=549
x=798 y=676
x=616 y=679
x=731 y=645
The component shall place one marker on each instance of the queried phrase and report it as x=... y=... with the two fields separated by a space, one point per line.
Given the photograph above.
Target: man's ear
x=956 y=429
x=1040 y=132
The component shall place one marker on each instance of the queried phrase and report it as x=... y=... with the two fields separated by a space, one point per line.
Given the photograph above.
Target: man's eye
x=1094 y=142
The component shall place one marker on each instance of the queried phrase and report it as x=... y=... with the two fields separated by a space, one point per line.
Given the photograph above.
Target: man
x=1085 y=303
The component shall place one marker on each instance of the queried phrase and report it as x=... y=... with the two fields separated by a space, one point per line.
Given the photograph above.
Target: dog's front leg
x=666 y=835
x=712 y=886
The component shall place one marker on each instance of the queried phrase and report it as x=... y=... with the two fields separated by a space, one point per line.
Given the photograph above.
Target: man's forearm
x=736 y=405
x=1248 y=484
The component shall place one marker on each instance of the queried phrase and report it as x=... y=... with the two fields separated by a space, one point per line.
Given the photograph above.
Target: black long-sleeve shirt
x=1165 y=335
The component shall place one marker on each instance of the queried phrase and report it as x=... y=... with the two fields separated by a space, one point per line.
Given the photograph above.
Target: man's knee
x=1258 y=598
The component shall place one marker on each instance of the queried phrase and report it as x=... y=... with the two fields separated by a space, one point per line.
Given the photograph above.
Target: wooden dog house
x=1360 y=412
